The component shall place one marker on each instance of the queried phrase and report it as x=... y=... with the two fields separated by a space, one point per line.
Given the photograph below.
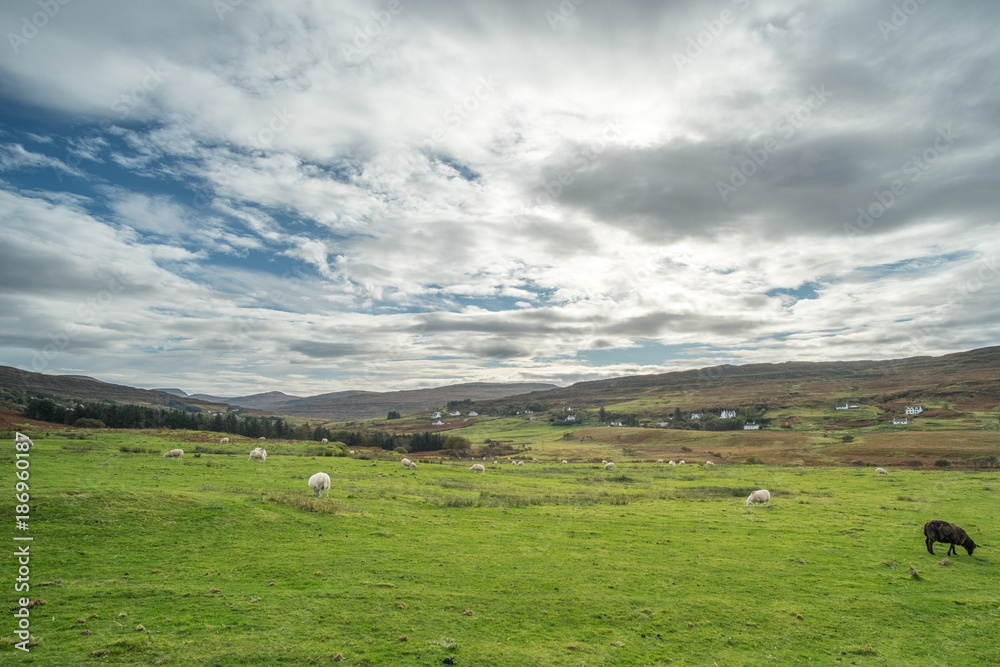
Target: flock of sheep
x=934 y=531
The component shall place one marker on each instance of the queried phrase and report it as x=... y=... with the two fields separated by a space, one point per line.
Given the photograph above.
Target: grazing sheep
x=759 y=496
x=477 y=467
x=520 y=463
x=881 y=471
x=496 y=462
x=324 y=441
x=565 y=461
x=681 y=462
x=671 y=462
x=609 y=465
x=178 y=453
x=261 y=439
x=661 y=461
x=949 y=533
x=604 y=460
x=319 y=483
x=224 y=441
x=259 y=454
x=352 y=451
x=406 y=463
x=709 y=463
x=20 y=437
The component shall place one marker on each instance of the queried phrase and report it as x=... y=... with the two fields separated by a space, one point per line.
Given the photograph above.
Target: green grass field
x=223 y=561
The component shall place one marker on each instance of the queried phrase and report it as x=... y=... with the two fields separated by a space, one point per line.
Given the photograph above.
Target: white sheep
x=477 y=467
x=496 y=462
x=352 y=452
x=709 y=463
x=258 y=453
x=661 y=461
x=681 y=462
x=20 y=437
x=224 y=441
x=319 y=483
x=178 y=453
x=406 y=463
x=671 y=462
x=609 y=465
x=604 y=460
x=759 y=496
x=324 y=441
x=565 y=461
x=881 y=471
x=520 y=463
x=261 y=439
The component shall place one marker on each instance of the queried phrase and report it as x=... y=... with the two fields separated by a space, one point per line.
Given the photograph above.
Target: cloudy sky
x=233 y=196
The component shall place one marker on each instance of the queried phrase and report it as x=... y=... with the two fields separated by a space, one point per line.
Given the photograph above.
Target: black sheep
x=948 y=533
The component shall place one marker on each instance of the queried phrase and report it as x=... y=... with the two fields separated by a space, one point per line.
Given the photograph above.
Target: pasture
x=224 y=561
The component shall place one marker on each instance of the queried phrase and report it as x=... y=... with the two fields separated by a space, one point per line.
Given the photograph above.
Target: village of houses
x=695 y=416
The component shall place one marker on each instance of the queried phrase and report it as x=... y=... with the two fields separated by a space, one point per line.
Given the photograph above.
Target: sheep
x=759 y=496
x=520 y=463
x=881 y=471
x=20 y=437
x=609 y=465
x=259 y=454
x=565 y=461
x=948 y=533
x=224 y=441
x=681 y=462
x=604 y=461
x=671 y=463
x=352 y=452
x=661 y=461
x=709 y=463
x=178 y=453
x=324 y=441
x=319 y=483
x=477 y=467
x=261 y=439
x=406 y=463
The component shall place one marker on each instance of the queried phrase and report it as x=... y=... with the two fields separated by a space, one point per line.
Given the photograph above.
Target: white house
x=436 y=415
x=438 y=423
x=473 y=414
x=456 y=413
x=615 y=424
x=842 y=407
x=695 y=415
x=900 y=421
x=751 y=426
x=571 y=418
x=914 y=410
x=663 y=423
x=728 y=414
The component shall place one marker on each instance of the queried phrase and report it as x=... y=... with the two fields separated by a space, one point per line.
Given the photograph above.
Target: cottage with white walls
x=436 y=415
x=663 y=423
x=751 y=426
x=914 y=410
x=438 y=423
x=900 y=421
x=571 y=418
x=473 y=414
x=695 y=415
x=728 y=414
x=456 y=413
x=842 y=407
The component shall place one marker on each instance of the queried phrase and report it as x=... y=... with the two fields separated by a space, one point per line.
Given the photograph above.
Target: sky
x=233 y=196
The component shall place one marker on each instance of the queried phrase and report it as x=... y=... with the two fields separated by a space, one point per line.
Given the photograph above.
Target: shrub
x=685 y=449
x=915 y=463
x=942 y=463
x=87 y=422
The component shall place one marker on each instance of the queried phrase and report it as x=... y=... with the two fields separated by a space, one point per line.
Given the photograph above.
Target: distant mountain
x=345 y=405
x=267 y=401
x=82 y=389
x=175 y=392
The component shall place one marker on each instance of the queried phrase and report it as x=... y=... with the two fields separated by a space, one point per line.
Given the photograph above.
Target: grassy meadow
x=222 y=561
